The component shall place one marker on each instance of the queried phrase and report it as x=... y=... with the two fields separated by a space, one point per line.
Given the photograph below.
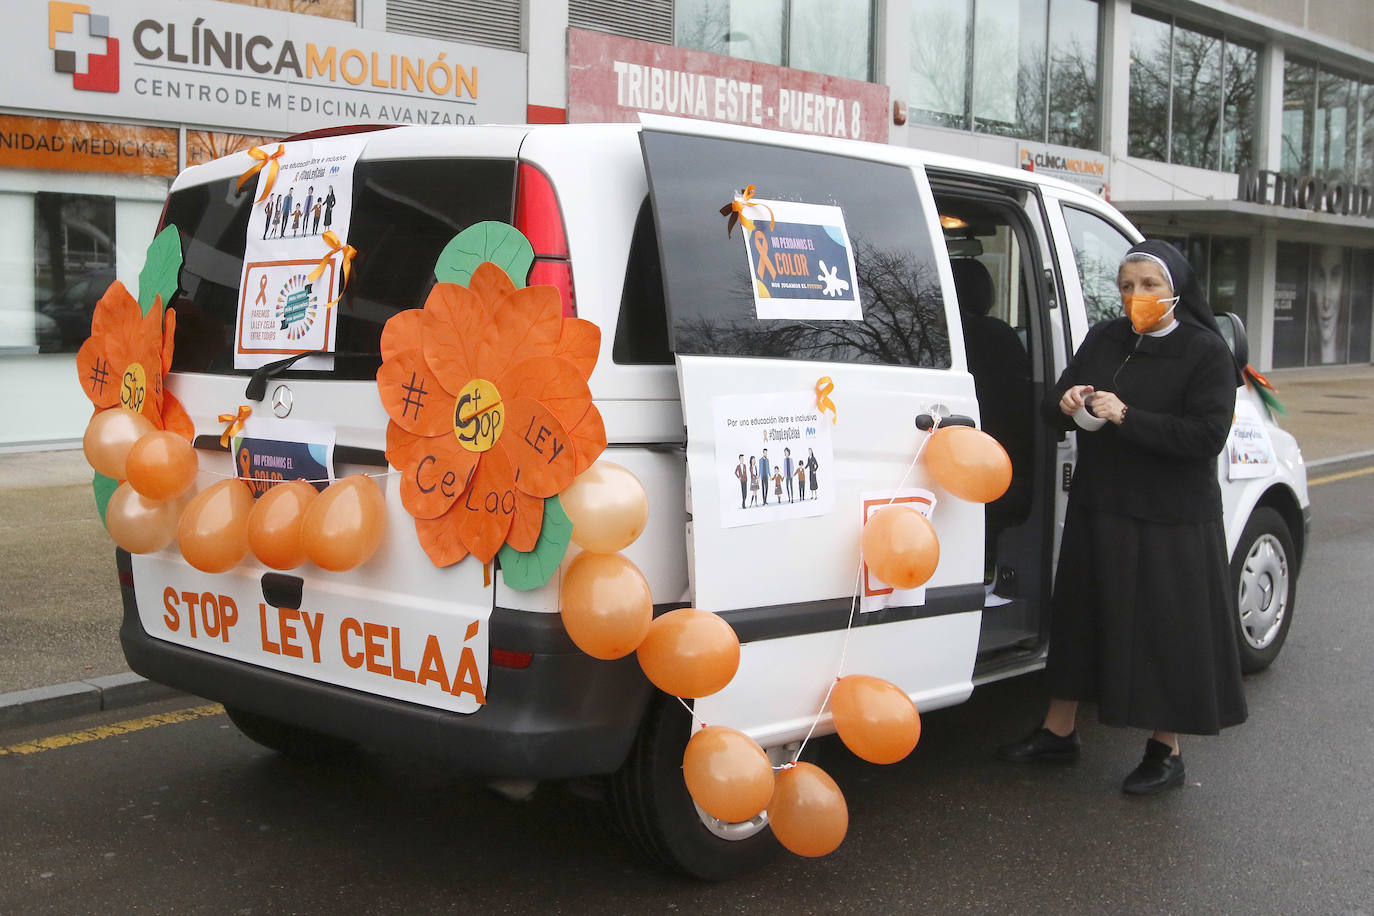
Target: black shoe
x=1042 y=745
x=1161 y=769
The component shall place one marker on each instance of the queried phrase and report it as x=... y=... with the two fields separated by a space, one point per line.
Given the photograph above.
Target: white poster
x=1249 y=451
x=875 y=594
x=290 y=277
x=801 y=262
x=774 y=458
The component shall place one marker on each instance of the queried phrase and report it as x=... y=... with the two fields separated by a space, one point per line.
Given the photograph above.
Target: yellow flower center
x=133 y=390
x=478 y=417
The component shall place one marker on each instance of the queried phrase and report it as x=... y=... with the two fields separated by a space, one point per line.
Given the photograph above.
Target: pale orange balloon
x=875 y=718
x=968 y=463
x=213 y=533
x=607 y=606
x=727 y=774
x=276 y=522
x=608 y=508
x=808 y=813
x=689 y=653
x=162 y=465
x=139 y=524
x=109 y=437
x=900 y=546
x=344 y=525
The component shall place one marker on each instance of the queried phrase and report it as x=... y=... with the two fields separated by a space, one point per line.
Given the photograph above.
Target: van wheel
x=653 y=808
x=286 y=739
x=1262 y=574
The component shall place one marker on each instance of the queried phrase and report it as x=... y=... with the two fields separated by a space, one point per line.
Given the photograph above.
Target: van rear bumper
x=566 y=714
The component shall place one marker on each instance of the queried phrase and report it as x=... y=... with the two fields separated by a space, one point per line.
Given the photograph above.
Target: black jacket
x=1160 y=464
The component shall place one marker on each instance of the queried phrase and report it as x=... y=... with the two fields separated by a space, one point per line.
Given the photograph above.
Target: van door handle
x=925 y=422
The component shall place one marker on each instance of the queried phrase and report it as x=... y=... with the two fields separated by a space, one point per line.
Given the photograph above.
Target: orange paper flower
x=123 y=361
x=486 y=387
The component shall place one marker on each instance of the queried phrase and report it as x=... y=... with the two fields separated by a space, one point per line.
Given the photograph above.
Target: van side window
x=1098 y=247
x=405 y=211
x=706 y=273
x=641 y=332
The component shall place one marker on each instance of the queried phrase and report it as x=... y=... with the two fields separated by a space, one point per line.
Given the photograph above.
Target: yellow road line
x=1345 y=475
x=110 y=731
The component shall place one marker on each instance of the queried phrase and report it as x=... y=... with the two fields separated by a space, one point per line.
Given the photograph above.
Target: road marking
x=110 y=731
x=1332 y=478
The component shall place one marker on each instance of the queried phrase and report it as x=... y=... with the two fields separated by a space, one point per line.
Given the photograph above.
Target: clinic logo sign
x=82 y=46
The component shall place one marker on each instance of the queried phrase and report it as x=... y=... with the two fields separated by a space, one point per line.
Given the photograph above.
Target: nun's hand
x=1072 y=400
x=1109 y=407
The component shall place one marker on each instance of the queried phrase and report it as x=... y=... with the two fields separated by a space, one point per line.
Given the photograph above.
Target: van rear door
x=765 y=342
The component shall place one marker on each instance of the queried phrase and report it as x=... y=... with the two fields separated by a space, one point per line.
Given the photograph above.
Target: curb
x=40 y=705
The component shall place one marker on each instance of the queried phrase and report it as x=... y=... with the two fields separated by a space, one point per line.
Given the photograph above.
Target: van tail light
x=538 y=217
x=505 y=658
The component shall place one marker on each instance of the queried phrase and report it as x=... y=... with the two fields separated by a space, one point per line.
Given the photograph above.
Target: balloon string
x=853 y=606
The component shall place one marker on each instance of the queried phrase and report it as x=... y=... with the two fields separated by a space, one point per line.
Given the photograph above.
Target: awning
x=1235 y=217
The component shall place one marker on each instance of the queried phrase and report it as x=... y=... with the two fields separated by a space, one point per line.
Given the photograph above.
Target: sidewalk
x=60 y=605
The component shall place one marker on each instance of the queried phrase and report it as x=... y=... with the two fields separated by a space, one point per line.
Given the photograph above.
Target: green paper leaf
x=525 y=571
x=161 y=271
x=104 y=488
x=500 y=243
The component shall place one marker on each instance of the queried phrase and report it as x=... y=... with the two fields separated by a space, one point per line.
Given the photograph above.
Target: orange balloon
x=213 y=533
x=900 y=546
x=808 y=812
x=875 y=718
x=607 y=506
x=162 y=465
x=689 y=653
x=968 y=463
x=727 y=774
x=343 y=527
x=139 y=524
x=607 y=607
x=109 y=437
x=274 y=525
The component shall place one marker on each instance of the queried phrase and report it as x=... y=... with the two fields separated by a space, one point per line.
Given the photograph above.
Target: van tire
x=1264 y=579
x=287 y=739
x=655 y=812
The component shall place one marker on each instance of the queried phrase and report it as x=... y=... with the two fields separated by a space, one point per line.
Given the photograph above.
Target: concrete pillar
x=544 y=38
x=1116 y=76
x=1259 y=307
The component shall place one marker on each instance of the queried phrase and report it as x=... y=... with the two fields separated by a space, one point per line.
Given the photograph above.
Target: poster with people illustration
x=774 y=458
x=801 y=262
x=292 y=263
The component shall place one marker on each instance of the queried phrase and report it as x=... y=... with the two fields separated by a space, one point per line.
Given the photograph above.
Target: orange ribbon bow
x=825 y=385
x=263 y=159
x=336 y=245
x=735 y=210
x=235 y=421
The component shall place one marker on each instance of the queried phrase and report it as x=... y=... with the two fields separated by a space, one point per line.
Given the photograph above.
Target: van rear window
x=405 y=212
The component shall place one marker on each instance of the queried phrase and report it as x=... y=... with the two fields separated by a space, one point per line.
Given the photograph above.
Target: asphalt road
x=1277 y=815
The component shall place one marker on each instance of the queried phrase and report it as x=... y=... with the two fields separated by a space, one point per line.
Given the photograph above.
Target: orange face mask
x=1146 y=310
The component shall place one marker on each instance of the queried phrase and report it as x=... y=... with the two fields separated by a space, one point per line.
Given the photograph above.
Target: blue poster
x=801 y=262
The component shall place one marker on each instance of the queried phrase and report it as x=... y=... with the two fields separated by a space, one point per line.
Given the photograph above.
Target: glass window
x=1228 y=275
x=1098 y=248
x=405 y=211
x=1299 y=112
x=1239 y=115
x=1367 y=137
x=1336 y=131
x=1194 y=121
x=1054 y=44
x=706 y=274
x=939 y=62
x=641 y=332
x=1361 y=304
x=74 y=263
x=831 y=36
x=1328 y=307
x=1151 y=64
x=1073 y=73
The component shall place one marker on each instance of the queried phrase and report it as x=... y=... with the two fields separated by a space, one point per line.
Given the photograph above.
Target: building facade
x=1242 y=130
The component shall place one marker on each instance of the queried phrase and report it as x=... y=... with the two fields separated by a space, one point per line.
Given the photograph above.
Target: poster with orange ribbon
x=296 y=257
x=801 y=262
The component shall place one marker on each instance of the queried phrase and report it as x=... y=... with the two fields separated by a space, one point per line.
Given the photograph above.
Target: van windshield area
x=405 y=212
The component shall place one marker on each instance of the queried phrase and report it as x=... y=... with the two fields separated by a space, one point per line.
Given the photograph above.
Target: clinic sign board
x=241 y=67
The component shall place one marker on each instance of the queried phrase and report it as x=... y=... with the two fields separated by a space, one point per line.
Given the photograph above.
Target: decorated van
x=644 y=452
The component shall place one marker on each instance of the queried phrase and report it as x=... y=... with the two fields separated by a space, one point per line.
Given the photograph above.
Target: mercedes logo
x=282 y=400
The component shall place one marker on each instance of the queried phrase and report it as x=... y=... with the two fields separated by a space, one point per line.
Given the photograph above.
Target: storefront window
x=1051 y=94
x=1328 y=124
x=1322 y=305
x=834 y=37
x=1336 y=135
x=74 y=263
x=1299 y=113
x=1192 y=95
x=1367 y=134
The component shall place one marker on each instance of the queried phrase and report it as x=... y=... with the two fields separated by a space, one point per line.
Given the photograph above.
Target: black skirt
x=1144 y=623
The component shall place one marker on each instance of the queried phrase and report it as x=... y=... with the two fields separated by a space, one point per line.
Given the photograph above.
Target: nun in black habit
x=1144 y=620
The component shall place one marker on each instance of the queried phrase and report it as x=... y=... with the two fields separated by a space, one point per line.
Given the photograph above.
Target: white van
x=625 y=220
